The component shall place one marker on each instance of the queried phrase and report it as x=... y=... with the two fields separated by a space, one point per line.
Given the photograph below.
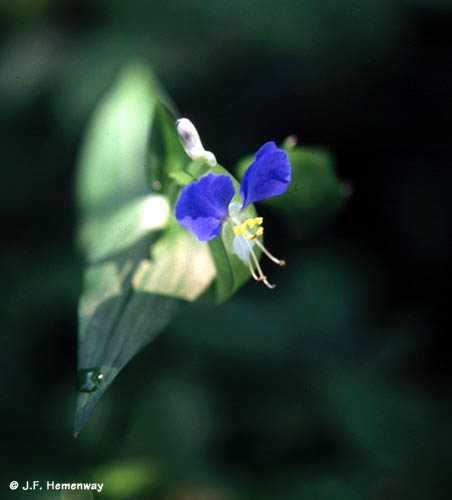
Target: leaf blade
x=140 y=264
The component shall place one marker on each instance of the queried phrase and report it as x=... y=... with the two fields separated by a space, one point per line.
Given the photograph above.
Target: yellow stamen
x=256 y=221
x=270 y=256
x=253 y=274
x=242 y=228
x=259 y=232
x=260 y=275
x=256 y=271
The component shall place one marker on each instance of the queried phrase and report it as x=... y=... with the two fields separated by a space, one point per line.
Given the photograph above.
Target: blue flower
x=204 y=205
x=268 y=175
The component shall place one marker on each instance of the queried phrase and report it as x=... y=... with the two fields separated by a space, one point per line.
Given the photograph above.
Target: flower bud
x=191 y=142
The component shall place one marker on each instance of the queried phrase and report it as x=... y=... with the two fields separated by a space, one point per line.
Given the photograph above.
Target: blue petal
x=203 y=205
x=268 y=175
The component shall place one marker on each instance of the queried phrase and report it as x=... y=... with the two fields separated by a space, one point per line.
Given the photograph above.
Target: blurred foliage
x=335 y=386
x=76 y=495
x=124 y=480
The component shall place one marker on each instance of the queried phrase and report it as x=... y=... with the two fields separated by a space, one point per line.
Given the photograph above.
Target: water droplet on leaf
x=89 y=380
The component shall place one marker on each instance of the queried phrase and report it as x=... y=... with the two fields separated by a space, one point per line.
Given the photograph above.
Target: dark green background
x=335 y=385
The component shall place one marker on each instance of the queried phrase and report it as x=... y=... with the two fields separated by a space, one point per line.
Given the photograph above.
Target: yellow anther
x=254 y=236
x=248 y=222
x=242 y=228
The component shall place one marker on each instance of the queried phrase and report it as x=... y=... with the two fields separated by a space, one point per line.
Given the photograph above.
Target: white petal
x=242 y=247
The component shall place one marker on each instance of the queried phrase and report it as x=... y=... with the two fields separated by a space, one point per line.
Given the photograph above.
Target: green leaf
x=315 y=194
x=113 y=154
x=140 y=263
x=232 y=273
x=129 y=294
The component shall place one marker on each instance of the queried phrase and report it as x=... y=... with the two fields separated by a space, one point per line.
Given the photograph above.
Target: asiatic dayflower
x=205 y=205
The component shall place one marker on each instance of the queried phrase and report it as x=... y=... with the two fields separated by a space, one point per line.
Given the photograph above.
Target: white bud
x=191 y=142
